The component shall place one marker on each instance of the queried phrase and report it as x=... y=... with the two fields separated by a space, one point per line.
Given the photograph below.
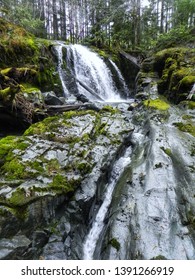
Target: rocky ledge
x=42 y=169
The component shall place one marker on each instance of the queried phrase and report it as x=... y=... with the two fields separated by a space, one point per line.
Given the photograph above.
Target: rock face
x=152 y=213
x=58 y=160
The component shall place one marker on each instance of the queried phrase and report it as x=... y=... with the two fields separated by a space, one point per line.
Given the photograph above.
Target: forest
x=127 y=24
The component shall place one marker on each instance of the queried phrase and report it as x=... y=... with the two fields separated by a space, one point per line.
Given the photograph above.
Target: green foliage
x=175 y=37
x=23 y=15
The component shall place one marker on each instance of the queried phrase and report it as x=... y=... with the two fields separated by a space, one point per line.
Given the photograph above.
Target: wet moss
x=40 y=128
x=61 y=184
x=175 y=67
x=14 y=169
x=186 y=127
x=159 y=257
x=156 y=104
x=18 y=198
x=110 y=109
x=114 y=243
x=192 y=150
x=84 y=167
x=6 y=144
x=191 y=105
x=167 y=151
x=29 y=88
x=6 y=94
x=10 y=143
x=190 y=219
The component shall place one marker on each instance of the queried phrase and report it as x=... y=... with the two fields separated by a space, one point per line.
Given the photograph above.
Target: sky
x=144 y=2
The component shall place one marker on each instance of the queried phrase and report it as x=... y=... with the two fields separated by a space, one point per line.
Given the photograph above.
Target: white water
x=60 y=70
x=90 y=68
x=98 y=224
x=122 y=81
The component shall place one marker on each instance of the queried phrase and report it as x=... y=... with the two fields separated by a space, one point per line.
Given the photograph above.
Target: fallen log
x=64 y=108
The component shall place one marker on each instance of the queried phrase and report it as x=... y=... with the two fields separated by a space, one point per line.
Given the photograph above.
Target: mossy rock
x=175 y=67
x=186 y=127
x=9 y=143
x=31 y=57
x=188 y=104
x=20 y=74
x=156 y=104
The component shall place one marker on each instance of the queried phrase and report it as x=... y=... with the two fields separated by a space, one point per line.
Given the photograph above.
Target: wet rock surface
x=53 y=171
x=149 y=216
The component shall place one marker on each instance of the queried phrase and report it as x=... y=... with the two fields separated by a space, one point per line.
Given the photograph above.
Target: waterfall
x=59 y=48
x=123 y=85
x=98 y=224
x=90 y=72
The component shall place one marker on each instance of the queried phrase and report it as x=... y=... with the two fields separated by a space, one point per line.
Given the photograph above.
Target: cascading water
x=59 y=48
x=123 y=85
x=90 y=72
x=98 y=224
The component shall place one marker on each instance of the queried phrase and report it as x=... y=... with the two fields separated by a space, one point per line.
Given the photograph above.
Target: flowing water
x=59 y=48
x=90 y=72
x=98 y=224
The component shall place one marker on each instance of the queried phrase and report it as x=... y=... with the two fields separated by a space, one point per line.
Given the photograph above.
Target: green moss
x=18 y=198
x=187 y=117
x=167 y=151
x=175 y=67
x=60 y=184
x=29 y=88
x=5 y=94
x=156 y=104
x=191 y=105
x=190 y=218
x=7 y=144
x=14 y=169
x=114 y=243
x=193 y=150
x=186 y=127
x=41 y=127
x=84 y=167
x=110 y=109
x=37 y=165
x=159 y=257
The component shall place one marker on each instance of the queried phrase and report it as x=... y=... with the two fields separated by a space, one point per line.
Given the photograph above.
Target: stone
x=14 y=248
x=50 y=98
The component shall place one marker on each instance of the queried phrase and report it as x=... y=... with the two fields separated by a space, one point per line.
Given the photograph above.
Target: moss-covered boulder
x=27 y=68
x=175 y=67
x=44 y=167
